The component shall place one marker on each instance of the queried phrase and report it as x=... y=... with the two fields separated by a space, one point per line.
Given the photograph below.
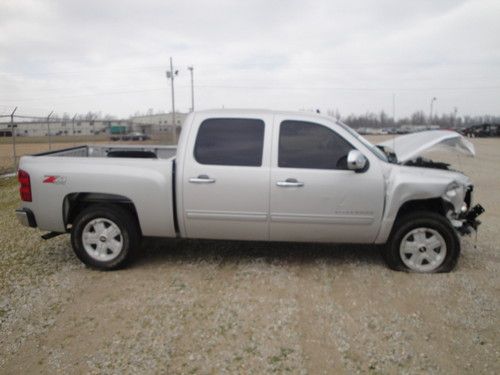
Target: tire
x=423 y=242
x=105 y=236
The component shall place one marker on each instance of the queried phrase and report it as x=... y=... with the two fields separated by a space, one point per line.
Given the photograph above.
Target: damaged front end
x=462 y=216
x=407 y=151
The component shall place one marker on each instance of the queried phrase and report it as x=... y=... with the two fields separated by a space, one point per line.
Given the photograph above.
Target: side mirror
x=356 y=161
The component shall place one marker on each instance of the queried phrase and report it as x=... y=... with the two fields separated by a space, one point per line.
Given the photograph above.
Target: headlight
x=452 y=190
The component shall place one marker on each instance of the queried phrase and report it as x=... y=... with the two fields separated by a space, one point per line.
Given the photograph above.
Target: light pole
x=394 y=109
x=432 y=105
x=171 y=75
x=13 y=131
x=48 y=128
x=73 y=124
x=191 y=69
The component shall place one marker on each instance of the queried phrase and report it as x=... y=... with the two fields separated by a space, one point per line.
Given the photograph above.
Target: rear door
x=314 y=197
x=226 y=178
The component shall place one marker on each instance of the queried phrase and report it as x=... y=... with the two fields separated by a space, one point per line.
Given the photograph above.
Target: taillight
x=25 y=185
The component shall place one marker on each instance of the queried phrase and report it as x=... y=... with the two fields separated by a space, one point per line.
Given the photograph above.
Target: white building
x=149 y=124
x=157 y=123
x=62 y=128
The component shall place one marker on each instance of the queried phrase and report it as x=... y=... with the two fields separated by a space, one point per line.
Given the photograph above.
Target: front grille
x=468 y=196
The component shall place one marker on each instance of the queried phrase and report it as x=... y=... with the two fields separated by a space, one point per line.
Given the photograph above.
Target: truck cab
x=278 y=177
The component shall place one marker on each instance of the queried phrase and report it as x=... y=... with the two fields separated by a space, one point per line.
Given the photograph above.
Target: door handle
x=290 y=182
x=202 y=179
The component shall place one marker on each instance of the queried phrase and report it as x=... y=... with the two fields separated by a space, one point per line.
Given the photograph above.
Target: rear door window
x=230 y=141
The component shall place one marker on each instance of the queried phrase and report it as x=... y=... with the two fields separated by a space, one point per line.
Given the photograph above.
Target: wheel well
x=436 y=205
x=76 y=202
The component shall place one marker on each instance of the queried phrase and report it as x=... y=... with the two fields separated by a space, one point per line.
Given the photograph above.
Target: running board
x=48 y=236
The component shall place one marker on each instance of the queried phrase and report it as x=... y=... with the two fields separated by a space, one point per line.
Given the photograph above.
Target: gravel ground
x=231 y=307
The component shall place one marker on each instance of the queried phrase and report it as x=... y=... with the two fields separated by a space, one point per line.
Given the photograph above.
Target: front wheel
x=422 y=242
x=104 y=237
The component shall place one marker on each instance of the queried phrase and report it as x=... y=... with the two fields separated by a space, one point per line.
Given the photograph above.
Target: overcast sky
x=111 y=56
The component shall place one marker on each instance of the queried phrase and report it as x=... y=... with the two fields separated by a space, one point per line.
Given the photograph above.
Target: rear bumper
x=26 y=217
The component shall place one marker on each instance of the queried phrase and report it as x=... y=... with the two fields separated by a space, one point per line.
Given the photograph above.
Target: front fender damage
x=412 y=184
x=460 y=213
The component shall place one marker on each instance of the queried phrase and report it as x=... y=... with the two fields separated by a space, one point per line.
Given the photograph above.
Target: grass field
x=245 y=307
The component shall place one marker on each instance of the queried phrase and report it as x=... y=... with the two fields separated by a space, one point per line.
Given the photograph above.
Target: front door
x=314 y=197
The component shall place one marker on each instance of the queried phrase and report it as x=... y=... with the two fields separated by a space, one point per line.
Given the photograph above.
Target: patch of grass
x=251 y=349
x=54 y=139
x=178 y=284
x=9 y=200
x=277 y=361
x=8 y=182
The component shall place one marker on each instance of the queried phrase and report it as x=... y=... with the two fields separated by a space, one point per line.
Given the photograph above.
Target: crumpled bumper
x=468 y=220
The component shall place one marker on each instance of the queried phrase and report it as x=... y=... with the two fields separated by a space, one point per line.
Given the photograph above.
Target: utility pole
x=191 y=69
x=73 y=124
x=171 y=75
x=13 y=137
x=48 y=128
x=430 y=114
x=394 y=121
x=394 y=108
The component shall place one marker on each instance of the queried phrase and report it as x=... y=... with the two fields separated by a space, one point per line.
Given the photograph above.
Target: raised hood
x=409 y=146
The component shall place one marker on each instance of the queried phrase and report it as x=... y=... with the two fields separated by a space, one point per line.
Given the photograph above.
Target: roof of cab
x=253 y=111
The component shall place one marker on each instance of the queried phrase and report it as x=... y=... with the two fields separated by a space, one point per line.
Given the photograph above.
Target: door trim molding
x=227 y=215
x=322 y=219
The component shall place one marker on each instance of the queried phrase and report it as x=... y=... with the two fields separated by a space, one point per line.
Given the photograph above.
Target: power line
x=250 y=65
x=241 y=87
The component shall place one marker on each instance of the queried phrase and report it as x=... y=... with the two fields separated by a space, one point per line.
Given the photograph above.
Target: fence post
x=13 y=138
x=48 y=128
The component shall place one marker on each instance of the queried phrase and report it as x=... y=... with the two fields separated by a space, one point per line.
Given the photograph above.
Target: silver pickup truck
x=261 y=176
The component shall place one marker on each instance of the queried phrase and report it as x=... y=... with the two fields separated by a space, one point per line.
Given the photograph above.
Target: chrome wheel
x=102 y=239
x=423 y=250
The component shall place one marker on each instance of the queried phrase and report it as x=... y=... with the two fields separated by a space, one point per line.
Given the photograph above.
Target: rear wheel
x=104 y=237
x=422 y=242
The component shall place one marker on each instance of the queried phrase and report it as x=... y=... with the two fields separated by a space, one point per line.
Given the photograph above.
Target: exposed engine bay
x=428 y=163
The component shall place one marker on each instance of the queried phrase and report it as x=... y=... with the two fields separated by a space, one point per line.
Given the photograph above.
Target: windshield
x=374 y=149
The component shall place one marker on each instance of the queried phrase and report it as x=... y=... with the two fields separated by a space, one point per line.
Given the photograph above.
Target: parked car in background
x=482 y=131
x=134 y=136
x=256 y=175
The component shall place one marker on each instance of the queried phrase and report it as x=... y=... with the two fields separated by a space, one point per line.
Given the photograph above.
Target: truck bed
x=116 y=151
x=140 y=174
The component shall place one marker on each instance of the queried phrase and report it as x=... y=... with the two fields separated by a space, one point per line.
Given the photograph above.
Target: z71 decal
x=57 y=180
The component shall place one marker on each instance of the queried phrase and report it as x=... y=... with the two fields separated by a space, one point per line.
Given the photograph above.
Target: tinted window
x=309 y=145
x=224 y=141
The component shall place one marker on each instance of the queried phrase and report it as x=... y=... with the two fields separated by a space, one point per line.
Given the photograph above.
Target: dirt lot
x=230 y=307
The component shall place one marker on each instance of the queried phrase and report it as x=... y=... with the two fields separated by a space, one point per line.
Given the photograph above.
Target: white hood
x=409 y=146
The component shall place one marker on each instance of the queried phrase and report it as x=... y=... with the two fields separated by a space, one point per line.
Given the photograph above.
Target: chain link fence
x=24 y=135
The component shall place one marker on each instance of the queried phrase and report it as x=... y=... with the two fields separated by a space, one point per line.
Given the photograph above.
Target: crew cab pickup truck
x=260 y=176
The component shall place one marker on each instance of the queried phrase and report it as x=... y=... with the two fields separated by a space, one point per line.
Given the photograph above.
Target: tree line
x=383 y=120
x=366 y=120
